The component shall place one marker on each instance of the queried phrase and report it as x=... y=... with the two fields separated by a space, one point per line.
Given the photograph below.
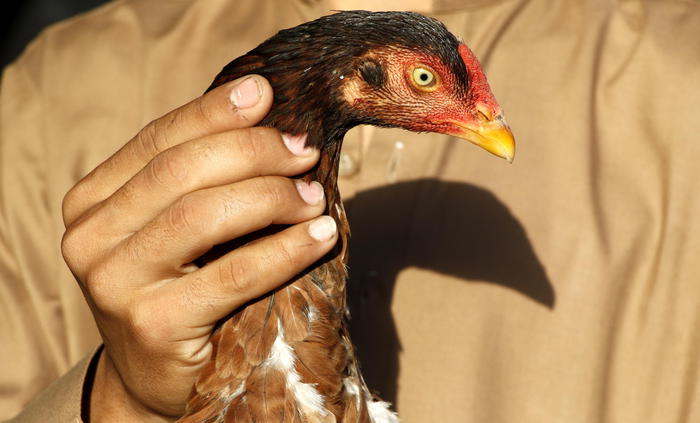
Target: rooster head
x=392 y=69
x=424 y=92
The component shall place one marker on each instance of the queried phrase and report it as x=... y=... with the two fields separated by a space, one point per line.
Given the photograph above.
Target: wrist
x=110 y=400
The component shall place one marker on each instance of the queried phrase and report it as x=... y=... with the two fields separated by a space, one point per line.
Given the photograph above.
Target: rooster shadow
x=450 y=228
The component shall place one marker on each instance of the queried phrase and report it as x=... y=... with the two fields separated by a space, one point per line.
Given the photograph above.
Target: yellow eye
x=424 y=78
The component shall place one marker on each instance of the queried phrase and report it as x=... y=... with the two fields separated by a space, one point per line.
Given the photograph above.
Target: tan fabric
x=60 y=402
x=562 y=288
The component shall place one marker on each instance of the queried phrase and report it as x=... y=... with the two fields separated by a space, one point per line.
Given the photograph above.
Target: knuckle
x=146 y=245
x=152 y=138
x=70 y=247
x=246 y=145
x=252 y=144
x=125 y=196
x=169 y=168
x=99 y=283
x=205 y=152
x=280 y=255
x=146 y=325
x=234 y=277
x=272 y=190
x=203 y=113
x=78 y=200
x=227 y=207
x=197 y=293
x=185 y=213
x=69 y=205
x=77 y=244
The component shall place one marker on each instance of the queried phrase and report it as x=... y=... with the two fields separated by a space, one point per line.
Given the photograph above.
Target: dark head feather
x=306 y=64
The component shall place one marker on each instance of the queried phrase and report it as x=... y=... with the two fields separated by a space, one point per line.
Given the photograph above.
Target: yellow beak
x=493 y=135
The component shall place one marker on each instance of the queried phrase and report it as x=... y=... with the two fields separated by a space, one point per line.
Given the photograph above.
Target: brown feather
x=256 y=332
x=237 y=411
x=293 y=310
x=265 y=393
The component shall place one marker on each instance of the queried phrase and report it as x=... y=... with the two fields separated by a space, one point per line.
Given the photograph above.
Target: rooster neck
x=326 y=171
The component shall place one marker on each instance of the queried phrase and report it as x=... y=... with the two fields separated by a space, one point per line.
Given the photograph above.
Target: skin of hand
x=196 y=177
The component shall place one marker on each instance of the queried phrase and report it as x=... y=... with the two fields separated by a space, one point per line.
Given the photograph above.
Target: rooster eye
x=423 y=78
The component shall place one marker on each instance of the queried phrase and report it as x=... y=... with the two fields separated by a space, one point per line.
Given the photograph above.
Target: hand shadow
x=446 y=227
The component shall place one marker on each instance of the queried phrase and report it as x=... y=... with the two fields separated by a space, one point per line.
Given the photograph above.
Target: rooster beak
x=491 y=134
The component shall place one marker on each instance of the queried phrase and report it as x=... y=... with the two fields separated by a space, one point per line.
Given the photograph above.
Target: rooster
x=287 y=356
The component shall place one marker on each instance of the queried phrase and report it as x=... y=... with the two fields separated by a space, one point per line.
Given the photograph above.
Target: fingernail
x=246 y=93
x=311 y=192
x=323 y=228
x=296 y=144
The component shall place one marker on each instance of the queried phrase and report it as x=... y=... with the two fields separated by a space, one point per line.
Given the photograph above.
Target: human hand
x=198 y=176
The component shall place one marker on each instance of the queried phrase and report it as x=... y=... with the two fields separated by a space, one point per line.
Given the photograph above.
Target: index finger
x=238 y=104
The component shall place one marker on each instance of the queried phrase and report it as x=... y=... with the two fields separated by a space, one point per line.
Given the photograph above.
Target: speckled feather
x=247 y=379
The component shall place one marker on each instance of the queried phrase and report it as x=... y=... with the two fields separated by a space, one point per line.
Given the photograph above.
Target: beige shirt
x=562 y=288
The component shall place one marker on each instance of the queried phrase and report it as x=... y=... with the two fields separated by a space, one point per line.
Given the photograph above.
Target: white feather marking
x=230 y=396
x=339 y=210
x=312 y=314
x=227 y=396
x=379 y=412
x=238 y=390
x=282 y=357
x=352 y=389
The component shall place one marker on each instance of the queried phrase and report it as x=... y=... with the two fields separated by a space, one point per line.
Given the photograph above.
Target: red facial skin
x=403 y=104
x=478 y=86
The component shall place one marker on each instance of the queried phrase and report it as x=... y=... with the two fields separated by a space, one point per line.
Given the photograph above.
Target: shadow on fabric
x=446 y=227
